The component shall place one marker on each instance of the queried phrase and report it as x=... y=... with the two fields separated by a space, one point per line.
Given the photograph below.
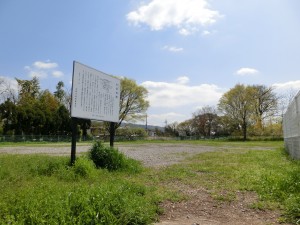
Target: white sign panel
x=95 y=95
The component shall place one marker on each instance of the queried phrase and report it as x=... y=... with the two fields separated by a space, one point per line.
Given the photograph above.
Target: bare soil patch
x=202 y=209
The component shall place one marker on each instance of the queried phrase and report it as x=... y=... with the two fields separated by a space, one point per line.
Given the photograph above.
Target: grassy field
x=37 y=189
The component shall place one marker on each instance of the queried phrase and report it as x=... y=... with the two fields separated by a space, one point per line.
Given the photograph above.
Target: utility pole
x=146 y=122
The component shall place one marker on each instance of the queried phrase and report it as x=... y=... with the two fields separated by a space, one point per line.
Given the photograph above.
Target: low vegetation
x=110 y=158
x=270 y=173
x=38 y=189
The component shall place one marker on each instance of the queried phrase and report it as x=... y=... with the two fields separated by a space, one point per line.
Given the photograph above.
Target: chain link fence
x=291 y=128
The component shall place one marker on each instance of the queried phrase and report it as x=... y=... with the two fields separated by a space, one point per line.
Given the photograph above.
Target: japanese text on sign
x=95 y=95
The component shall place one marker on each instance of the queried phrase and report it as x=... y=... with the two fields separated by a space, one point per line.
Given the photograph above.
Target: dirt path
x=200 y=208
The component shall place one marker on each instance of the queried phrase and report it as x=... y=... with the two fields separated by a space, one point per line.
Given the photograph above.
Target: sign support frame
x=74 y=139
x=109 y=98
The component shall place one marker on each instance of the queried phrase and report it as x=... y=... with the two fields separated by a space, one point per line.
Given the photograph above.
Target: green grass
x=39 y=189
x=207 y=142
x=45 y=190
x=269 y=173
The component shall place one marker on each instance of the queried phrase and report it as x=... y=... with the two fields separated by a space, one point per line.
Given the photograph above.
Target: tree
x=35 y=112
x=133 y=103
x=84 y=124
x=284 y=101
x=63 y=121
x=130 y=133
x=8 y=115
x=265 y=103
x=28 y=88
x=186 y=127
x=205 y=121
x=238 y=104
x=48 y=105
x=171 y=129
x=7 y=91
x=60 y=93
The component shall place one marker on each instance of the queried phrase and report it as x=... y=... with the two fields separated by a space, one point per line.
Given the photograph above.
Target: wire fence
x=35 y=138
x=291 y=128
x=105 y=138
x=122 y=138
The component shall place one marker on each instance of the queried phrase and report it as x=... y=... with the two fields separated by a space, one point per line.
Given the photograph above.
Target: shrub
x=107 y=157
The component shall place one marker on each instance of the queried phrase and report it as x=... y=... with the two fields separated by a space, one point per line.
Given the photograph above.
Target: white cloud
x=44 y=65
x=38 y=73
x=57 y=74
x=162 y=119
x=287 y=86
x=175 y=102
x=184 y=32
x=246 y=71
x=9 y=83
x=206 y=33
x=183 y=80
x=42 y=69
x=172 y=95
x=186 y=15
x=172 y=48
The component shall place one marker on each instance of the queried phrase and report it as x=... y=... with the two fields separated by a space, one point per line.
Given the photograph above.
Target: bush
x=106 y=157
x=111 y=159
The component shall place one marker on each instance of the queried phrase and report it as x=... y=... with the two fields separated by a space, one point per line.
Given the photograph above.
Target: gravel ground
x=155 y=155
x=152 y=155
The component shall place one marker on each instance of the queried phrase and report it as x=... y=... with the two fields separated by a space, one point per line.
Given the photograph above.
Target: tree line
x=33 y=111
x=244 y=110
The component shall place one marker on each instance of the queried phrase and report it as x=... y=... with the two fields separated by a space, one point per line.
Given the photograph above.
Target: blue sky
x=187 y=53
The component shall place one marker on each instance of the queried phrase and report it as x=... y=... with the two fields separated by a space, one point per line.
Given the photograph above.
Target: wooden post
x=112 y=134
x=74 y=139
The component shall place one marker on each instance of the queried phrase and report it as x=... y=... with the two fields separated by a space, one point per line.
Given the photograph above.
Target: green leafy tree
x=186 y=128
x=63 y=121
x=133 y=104
x=238 y=104
x=8 y=115
x=48 y=105
x=35 y=112
x=28 y=89
x=60 y=93
x=27 y=113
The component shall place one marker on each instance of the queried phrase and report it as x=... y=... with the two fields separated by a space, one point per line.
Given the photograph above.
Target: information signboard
x=95 y=95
